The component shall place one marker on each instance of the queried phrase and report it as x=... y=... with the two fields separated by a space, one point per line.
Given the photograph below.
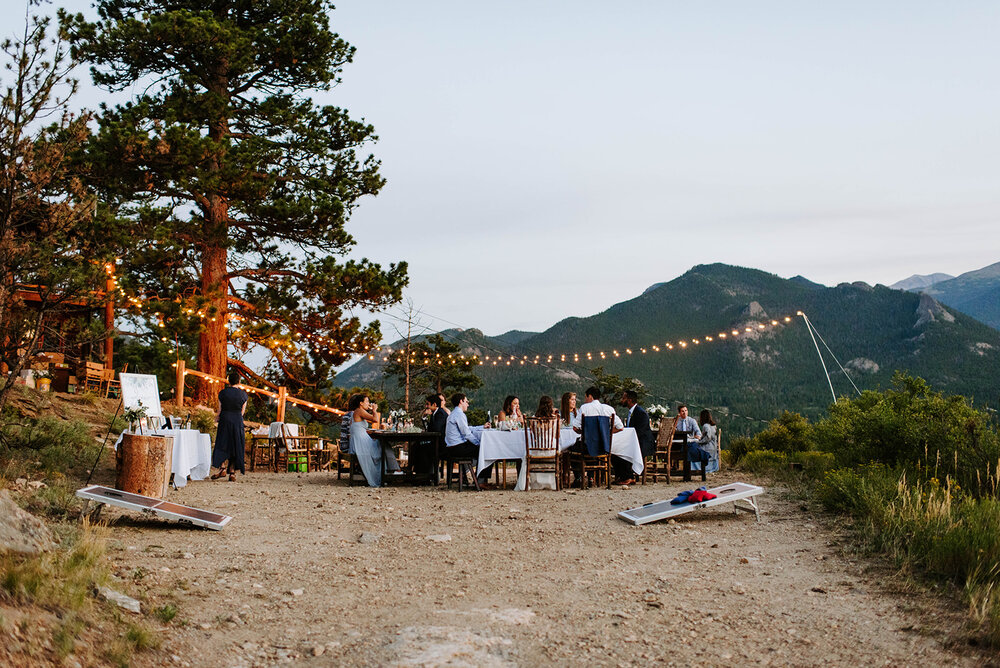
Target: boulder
x=20 y=531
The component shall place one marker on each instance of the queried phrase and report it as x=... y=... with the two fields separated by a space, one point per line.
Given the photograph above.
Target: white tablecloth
x=192 y=453
x=496 y=445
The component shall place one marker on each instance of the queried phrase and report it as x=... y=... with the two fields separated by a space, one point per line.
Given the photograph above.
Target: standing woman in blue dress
x=230 y=440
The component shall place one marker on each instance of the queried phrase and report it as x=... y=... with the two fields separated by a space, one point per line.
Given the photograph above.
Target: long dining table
x=496 y=445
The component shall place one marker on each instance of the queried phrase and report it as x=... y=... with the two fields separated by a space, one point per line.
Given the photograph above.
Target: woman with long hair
x=230 y=441
x=570 y=415
x=368 y=450
x=511 y=410
x=709 y=440
x=546 y=407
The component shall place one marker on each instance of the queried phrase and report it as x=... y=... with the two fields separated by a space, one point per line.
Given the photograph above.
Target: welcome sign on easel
x=141 y=390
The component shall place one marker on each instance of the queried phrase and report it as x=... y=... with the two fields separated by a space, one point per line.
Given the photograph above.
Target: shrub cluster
x=917 y=473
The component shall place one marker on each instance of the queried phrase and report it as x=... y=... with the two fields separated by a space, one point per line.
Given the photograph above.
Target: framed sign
x=141 y=388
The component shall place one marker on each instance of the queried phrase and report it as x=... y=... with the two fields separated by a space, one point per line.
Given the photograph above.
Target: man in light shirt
x=592 y=408
x=695 y=453
x=684 y=423
x=460 y=440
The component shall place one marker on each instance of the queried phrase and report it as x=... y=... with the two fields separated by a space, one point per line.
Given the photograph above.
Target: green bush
x=933 y=435
x=762 y=461
x=738 y=448
x=54 y=445
x=859 y=492
x=203 y=421
x=813 y=461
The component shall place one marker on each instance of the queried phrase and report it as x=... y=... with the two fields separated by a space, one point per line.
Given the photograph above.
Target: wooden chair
x=344 y=446
x=113 y=386
x=718 y=438
x=596 y=456
x=658 y=464
x=296 y=449
x=93 y=377
x=541 y=442
x=465 y=464
x=262 y=452
x=678 y=462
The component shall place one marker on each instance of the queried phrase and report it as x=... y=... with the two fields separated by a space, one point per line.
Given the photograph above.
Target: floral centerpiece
x=656 y=413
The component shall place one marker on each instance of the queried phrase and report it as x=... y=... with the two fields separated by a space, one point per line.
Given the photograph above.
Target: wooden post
x=109 y=322
x=282 y=393
x=179 y=392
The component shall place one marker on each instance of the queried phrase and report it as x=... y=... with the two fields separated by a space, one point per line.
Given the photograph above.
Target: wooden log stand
x=143 y=464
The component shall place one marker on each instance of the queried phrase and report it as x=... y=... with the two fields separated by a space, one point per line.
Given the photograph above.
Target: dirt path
x=314 y=572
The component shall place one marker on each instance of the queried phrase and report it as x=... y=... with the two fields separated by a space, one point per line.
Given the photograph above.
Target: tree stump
x=143 y=464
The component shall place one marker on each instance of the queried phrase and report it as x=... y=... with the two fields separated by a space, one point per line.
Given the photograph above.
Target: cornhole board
x=661 y=510
x=151 y=506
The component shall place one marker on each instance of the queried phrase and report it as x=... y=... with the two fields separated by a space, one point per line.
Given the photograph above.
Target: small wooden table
x=406 y=439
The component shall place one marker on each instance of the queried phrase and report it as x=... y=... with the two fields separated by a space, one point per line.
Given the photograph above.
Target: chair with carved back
x=541 y=442
x=658 y=464
x=594 y=462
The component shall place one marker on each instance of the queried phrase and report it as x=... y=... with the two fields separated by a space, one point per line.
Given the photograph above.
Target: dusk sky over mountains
x=552 y=159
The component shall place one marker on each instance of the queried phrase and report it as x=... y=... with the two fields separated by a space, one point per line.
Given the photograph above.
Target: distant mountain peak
x=919 y=282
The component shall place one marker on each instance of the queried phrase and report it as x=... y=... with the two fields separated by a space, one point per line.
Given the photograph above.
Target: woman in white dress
x=368 y=450
x=709 y=440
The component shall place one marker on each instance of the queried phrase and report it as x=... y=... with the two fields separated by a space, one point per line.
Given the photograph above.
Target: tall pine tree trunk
x=212 y=341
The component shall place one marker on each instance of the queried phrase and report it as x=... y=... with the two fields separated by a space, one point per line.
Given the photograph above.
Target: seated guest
x=546 y=408
x=709 y=440
x=511 y=409
x=459 y=439
x=368 y=450
x=593 y=407
x=570 y=415
x=437 y=414
x=444 y=403
x=637 y=419
x=682 y=423
x=422 y=453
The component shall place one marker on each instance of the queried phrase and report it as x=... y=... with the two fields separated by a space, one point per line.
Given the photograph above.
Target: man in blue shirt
x=695 y=454
x=684 y=423
x=460 y=440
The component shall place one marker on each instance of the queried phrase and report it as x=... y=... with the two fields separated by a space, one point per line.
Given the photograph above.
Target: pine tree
x=435 y=365
x=55 y=244
x=237 y=183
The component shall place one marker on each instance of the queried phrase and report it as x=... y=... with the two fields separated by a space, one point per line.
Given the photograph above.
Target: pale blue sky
x=549 y=159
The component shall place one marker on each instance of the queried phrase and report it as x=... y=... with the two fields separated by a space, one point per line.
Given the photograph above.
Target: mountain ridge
x=873 y=330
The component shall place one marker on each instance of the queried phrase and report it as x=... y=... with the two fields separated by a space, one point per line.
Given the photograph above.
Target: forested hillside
x=873 y=331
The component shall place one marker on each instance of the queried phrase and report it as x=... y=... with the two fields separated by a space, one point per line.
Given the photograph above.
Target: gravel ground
x=315 y=572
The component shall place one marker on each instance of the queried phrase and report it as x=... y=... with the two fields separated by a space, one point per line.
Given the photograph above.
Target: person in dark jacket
x=230 y=439
x=637 y=419
x=422 y=459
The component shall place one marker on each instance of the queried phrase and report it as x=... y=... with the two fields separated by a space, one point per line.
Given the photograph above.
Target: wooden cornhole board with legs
x=662 y=510
x=151 y=506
